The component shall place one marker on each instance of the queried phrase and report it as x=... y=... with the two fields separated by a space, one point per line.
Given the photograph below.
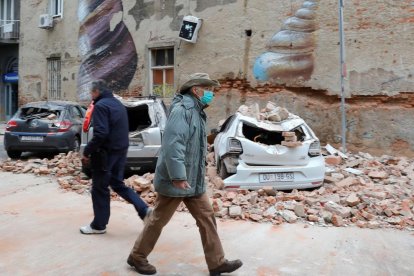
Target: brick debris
x=360 y=190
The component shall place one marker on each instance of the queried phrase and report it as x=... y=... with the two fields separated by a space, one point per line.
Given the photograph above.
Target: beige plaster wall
x=379 y=42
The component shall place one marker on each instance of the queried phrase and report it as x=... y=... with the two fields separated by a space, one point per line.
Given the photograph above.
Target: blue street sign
x=11 y=77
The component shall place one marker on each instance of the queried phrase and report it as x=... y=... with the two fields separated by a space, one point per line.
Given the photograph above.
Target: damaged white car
x=269 y=148
x=147 y=117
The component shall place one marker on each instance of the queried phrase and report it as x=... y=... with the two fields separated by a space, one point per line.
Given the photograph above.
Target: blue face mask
x=207 y=97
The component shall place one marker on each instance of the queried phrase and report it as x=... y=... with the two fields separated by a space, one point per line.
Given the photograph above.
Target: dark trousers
x=111 y=173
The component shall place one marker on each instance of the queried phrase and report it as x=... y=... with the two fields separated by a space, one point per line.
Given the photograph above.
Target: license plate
x=32 y=138
x=277 y=177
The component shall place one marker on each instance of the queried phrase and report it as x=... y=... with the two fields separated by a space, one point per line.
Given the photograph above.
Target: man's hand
x=85 y=160
x=181 y=184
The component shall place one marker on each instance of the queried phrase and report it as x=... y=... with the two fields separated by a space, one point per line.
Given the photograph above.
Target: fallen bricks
x=360 y=190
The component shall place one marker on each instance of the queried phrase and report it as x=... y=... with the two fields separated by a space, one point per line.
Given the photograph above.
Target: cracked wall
x=379 y=125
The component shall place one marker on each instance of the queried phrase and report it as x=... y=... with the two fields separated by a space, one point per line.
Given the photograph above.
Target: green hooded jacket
x=183 y=150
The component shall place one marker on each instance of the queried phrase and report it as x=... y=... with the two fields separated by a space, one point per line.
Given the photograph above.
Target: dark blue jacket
x=110 y=125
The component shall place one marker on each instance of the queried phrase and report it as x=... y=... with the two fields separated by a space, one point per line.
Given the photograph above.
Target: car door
x=76 y=118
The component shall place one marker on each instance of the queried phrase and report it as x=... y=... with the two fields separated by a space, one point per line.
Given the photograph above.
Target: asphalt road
x=39 y=235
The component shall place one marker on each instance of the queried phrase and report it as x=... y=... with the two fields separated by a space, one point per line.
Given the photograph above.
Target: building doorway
x=10 y=100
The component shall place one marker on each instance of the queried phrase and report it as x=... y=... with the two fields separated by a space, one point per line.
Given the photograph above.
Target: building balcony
x=9 y=31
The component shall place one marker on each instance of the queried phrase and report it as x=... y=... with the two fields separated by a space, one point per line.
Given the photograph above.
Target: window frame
x=7 y=13
x=56 y=11
x=161 y=46
x=54 y=78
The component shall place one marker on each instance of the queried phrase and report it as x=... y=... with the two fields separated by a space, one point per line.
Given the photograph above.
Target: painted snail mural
x=290 y=51
x=106 y=54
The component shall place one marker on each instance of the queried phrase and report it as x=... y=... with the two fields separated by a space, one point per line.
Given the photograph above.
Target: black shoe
x=226 y=267
x=142 y=267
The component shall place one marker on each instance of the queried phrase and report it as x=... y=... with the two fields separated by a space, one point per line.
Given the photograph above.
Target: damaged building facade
x=285 y=51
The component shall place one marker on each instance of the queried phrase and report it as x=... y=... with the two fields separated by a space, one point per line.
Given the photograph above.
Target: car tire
x=223 y=171
x=76 y=144
x=14 y=154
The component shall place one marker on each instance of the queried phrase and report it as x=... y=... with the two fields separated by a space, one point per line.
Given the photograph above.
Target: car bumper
x=309 y=176
x=51 y=142
x=135 y=164
x=139 y=159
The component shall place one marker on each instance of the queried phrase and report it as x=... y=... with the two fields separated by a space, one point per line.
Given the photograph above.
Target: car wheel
x=14 y=154
x=76 y=144
x=223 y=171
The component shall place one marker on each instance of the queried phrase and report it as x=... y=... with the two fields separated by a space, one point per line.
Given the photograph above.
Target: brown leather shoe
x=142 y=266
x=226 y=267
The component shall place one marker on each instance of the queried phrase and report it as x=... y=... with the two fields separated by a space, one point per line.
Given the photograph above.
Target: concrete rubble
x=378 y=192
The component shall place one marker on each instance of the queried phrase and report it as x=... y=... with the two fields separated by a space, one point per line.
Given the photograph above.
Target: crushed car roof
x=286 y=125
x=272 y=117
x=49 y=104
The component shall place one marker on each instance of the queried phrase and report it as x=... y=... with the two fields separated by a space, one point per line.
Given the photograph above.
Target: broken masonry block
x=288 y=133
x=291 y=144
x=291 y=139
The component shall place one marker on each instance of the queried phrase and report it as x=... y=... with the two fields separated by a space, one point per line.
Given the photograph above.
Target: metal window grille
x=162 y=71
x=53 y=78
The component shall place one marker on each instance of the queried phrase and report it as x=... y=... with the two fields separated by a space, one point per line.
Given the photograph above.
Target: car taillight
x=234 y=146
x=11 y=124
x=315 y=149
x=136 y=140
x=63 y=126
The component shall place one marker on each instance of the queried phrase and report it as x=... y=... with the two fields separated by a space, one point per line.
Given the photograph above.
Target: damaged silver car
x=147 y=117
x=273 y=148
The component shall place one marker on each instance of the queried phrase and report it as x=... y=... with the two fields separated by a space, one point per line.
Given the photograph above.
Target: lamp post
x=343 y=72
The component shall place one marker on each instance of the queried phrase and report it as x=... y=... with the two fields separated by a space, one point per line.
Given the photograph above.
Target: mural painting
x=290 y=51
x=107 y=54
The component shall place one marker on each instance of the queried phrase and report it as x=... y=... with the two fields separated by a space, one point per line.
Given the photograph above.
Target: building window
x=56 y=8
x=53 y=79
x=162 y=71
x=6 y=11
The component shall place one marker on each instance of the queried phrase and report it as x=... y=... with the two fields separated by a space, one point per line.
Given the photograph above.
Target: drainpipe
x=343 y=72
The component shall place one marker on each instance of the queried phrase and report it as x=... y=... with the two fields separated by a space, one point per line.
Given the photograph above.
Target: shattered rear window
x=28 y=113
x=263 y=136
x=138 y=118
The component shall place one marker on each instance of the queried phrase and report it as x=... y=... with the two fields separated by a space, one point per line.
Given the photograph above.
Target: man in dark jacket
x=179 y=177
x=107 y=152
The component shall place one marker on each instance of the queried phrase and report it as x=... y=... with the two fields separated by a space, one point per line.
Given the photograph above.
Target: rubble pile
x=271 y=112
x=65 y=167
x=359 y=189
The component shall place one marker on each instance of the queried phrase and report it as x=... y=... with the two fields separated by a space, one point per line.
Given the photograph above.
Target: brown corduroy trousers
x=200 y=208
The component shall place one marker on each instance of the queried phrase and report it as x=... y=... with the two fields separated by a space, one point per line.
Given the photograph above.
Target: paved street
x=39 y=236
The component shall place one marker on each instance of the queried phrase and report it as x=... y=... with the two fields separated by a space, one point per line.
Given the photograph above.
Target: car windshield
x=263 y=136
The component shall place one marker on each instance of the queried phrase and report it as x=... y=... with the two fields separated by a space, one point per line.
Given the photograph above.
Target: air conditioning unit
x=45 y=21
x=189 y=28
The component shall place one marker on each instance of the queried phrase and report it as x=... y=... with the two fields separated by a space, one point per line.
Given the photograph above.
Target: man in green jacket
x=179 y=177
